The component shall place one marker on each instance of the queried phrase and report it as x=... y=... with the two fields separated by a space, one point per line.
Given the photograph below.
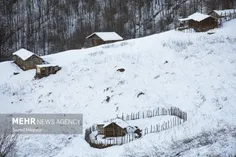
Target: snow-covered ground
x=195 y=72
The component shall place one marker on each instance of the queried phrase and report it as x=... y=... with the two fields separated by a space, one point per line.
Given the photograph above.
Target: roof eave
x=114 y=40
x=90 y=35
x=22 y=58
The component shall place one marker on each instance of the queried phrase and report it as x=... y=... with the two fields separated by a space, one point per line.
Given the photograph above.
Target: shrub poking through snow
x=15 y=73
x=108 y=99
x=139 y=94
x=121 y=70
x=8 y=144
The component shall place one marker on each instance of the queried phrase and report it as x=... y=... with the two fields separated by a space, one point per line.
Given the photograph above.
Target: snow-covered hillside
x=195 y=72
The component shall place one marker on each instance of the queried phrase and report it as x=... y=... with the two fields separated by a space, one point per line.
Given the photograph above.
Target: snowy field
x=195 y=72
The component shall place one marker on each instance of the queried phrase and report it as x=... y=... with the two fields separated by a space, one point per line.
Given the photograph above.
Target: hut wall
x=18 y=61
x=113 y=130
x=46 y=71
x=204 y=25
x=95 y=41
x=31 y=62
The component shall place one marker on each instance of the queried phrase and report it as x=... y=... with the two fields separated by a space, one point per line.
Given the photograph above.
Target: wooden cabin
x=200 y=22
x=115 y=128
x=26 y=60
x=44 y=70
x=99 y=38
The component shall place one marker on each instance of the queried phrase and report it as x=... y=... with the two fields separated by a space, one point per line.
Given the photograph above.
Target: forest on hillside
x=46 y=27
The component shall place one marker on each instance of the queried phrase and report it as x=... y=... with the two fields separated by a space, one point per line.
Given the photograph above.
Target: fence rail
x=131 y=137
x=229 y=16
x=180 y=117
x=173 y=111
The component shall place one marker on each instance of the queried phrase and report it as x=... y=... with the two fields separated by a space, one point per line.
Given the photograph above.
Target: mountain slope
x=193 y=71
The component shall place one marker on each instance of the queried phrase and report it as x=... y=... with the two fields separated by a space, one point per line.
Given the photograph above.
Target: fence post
x=186 y=116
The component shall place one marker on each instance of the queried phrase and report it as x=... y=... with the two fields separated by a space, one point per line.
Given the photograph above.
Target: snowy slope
x=195 y=72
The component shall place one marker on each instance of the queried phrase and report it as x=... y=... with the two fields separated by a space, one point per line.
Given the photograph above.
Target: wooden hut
x=115 y=128
x=200 y=22
x=44 y=70
x=26 y=60
x=99 y=38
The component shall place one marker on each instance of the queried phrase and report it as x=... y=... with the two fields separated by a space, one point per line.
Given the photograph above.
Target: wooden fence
x=229 y=16
x=173 y=111
x=180 y=117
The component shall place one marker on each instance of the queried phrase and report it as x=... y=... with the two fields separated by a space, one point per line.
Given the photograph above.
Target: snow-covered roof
x=196 y=17
x=225 y=12
x=121 y=123
x=23 y=54
x=106 y=36
x=46 y=65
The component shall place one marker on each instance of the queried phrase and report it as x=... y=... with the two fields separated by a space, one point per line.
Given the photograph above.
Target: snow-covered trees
x=50 y=26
